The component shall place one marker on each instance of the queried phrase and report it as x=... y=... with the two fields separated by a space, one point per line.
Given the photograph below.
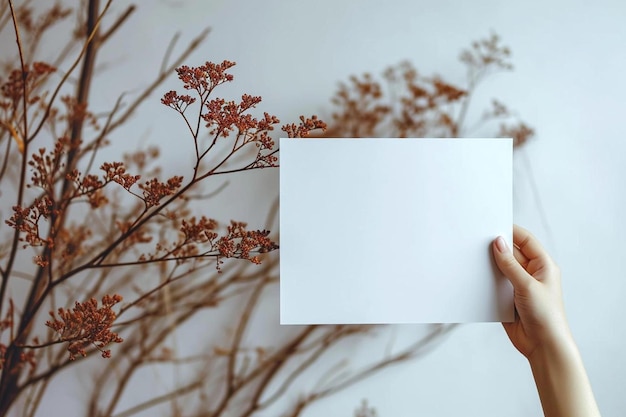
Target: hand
x=540 y=330
x=536 y=279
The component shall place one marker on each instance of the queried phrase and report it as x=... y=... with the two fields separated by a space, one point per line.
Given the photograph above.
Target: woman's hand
x=536 y=280
x=540 y=330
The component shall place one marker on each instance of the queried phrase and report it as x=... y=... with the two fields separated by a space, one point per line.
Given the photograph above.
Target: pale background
x=568 y=83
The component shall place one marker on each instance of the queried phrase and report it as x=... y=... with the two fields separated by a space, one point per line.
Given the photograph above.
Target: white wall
x=568 y=83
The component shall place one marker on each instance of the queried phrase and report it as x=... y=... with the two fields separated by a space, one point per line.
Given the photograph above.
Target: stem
x=9 y=380
x=161 y=399
x=272 y=366
x=119 y=22
x=20 y=194
x=82 y=94
x=241 y=328
x=465 y=106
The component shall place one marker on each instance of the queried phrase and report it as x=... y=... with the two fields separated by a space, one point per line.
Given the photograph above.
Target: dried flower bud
x=87 y=324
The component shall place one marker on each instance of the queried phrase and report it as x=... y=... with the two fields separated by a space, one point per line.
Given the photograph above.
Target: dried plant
x=103 y=263
x=404 y=103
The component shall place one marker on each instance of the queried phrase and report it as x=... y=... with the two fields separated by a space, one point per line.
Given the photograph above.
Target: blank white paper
x=394 y=230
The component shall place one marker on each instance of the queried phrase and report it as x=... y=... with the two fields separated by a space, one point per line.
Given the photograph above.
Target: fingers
x=521 y=258
x=507 y=263
x=527 y=257
x=528 y=245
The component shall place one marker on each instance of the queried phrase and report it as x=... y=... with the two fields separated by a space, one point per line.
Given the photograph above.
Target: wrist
x=561 y=379
x=554 y=350
x=558 y=344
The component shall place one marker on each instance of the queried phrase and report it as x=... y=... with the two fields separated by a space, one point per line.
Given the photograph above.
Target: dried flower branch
x=79 y=228
x=405 y=103
x=86 y=325
x=68 y=251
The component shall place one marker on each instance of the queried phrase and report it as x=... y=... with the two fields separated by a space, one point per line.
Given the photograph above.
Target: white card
x=394 y=230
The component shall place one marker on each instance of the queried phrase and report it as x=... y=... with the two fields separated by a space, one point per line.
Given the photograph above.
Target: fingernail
x=501 y=245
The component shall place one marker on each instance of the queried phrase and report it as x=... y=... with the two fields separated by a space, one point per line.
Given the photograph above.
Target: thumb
x=507 y=263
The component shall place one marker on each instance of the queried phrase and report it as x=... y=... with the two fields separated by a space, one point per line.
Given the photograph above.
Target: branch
x=146 y=295
x=77 y=61
x=82 y=95
x=20 y=193
x=43 y=345
x=168 y=52
x=38 y=290
x=151 y=344
x=273 y=364
x=336 y=335
x=411 y=352
x=5 y=160
x=116 y=25
x=105 y=130
x=162 y=398
x=241 y=327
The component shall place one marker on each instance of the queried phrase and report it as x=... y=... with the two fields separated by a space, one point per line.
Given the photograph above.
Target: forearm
x=562 y=381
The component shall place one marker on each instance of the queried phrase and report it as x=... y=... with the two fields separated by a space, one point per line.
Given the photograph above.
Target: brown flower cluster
x=27 y=219
x=46 y=167
x=86 y=325
x=199 y=230
x=202 y=79
x=304 y=128
x=205 y=78
x=116 y=172
x=154 y=190
x=195 y=233
x=520 y=133
x=89 y=186
x=368 y=107
x=199 y=238
x=20 y=83
x=35 y=26
x=486 y=55
x=224 y=118
x=239 y=242
x=178 y=102
x=78 y=112
x=405 y=103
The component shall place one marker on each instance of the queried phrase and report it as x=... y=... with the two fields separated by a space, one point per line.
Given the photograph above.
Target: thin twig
x=5 y=160
x=119 y=22
x=304 y=365
x=239 y=332
x=168 y=52
x=411 y=352
x=186 y=389
x=272 y=365
x=20 y=193
x=105 y=130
